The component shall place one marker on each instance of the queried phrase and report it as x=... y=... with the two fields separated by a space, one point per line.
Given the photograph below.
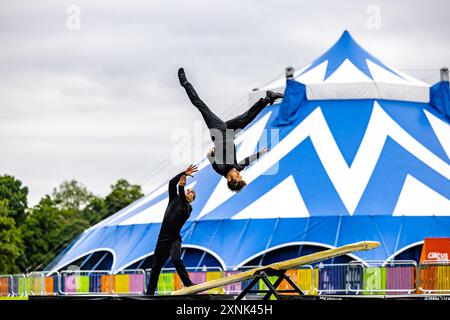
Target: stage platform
x=230 y=297
x=140 y=297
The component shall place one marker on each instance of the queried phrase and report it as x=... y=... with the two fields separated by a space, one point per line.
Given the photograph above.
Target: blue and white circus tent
x=359 y=151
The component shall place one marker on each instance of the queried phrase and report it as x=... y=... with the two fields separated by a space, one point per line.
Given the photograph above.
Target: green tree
x=10 y=241
x=95 y=211
x=59 y=218
x=11 y=189
x=71 y=195
x=47 y=230
x=122 y=194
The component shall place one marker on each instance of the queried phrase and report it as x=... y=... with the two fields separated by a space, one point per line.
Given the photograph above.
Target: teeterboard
x=283 y=265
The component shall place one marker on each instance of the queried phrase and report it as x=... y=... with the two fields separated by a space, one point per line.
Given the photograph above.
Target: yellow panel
x=214 y=275
x=122 y=283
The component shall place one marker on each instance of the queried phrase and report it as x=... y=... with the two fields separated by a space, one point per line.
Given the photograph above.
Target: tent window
x=100 y=260
x=192 y=258
x=291 y=252
x=412 y=253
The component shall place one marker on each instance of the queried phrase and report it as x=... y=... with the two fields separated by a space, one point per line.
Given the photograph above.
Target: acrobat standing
x=223 y=155
x=169 y=239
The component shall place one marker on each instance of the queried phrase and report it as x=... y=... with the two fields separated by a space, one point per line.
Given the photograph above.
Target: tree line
x=31 y=237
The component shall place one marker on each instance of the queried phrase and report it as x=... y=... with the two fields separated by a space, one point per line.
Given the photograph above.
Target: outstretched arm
x=173 y=186
x=173 y=183
x=249 y=160
x=181 y=185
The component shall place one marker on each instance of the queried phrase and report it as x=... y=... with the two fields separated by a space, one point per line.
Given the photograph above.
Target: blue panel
x=440 y=98
x=347 y=121
x=385 y=185
x=411 y=117
x=294 y=97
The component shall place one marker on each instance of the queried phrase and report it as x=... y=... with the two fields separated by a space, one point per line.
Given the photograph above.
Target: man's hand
x=191 y=170
x=182 y=181
x=212 y=152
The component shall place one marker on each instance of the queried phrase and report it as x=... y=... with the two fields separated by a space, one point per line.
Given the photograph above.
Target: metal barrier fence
x=170 y=281
x=389 y=277
x=79 y=282
x=41 y=283
x=102 y=282
x=434 y=277
x=18 y=285
x=339 y=278
x=368 y=277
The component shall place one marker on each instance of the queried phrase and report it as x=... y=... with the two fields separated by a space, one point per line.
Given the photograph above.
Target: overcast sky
x=100 y=102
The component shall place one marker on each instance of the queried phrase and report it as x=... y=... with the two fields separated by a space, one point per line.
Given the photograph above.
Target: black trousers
x=214 y=122
x=166 y=247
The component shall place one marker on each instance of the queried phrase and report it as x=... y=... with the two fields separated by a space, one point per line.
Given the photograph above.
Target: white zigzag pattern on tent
x=417 y=199
x=349 y=182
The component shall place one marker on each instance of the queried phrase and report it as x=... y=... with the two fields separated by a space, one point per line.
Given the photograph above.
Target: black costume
x=223 y=132
x=169 y=239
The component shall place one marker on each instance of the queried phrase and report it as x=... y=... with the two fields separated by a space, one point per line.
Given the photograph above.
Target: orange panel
x=49 y=285
x=177 y=282
x=107 y=283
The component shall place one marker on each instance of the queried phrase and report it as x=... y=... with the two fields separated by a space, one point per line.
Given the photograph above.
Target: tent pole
x=444 y=74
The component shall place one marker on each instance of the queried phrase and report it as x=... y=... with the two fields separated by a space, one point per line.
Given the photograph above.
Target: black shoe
x=191 y=284
x=273 y=96
x=182 y=77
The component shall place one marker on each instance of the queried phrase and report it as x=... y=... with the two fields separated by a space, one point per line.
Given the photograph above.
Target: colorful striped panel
x=95 y=282
x=305 y=280
x=82 y=284
x=122 y=283
x=4 y=286
x=234 y=287
x=400 y=279
x=70 y=284
x=177 y=284
x=212 y=275
x=197 y=277
x=284 y=285
x=435 y=278
x=49 y=285
x=165 y=283
x=137 y=283
x=19 y=286
x=374 y=280
x=107 y=283
x=332 y=279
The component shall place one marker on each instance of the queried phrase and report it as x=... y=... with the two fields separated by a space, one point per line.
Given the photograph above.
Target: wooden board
x=283 y=265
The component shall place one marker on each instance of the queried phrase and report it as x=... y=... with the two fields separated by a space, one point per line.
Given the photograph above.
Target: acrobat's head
x=234 y=181
x=190 y=195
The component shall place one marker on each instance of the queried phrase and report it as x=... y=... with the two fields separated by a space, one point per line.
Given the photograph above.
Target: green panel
x=22 y=286
x=374 y=279
x=28 y=285
x=262 y=285
x=82 y=284
x=166 y=283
